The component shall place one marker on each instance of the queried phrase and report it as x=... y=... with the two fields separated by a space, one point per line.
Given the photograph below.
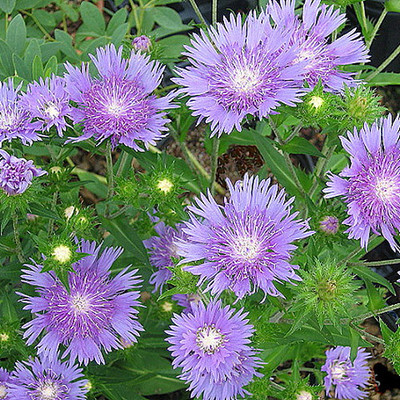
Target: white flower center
x=384 y=188
x=338 y=371
x=209 y=339
x=51 y=110
x=48 y=391
x=304 y=55
x=316 y=101
x=304 y=396
x=246 y=248
x=165 y=185
x=245 y=80
x=80 y=303
x=3 y=391
x=114 y=108
x=62 y=253
x=4 y=337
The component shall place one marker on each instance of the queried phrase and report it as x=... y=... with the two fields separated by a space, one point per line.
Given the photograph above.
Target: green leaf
x=384 y=79
x=392 y=5
x=6 y=58
x=375 y=298
x=16 y=34
x=8 y=310
x=46 y=19
x=167 y=17
x=31 y=51
x=92 y=18
x=116 y=21
x=66 y=44
x=21 y=68
x=387 y=334
x=173 y=46
x=49 y=50
x=37 y=68
x=119 y=34
x=7 y=6
x=300 y=145
x=51 y=67
x=366 y=274
x=354 y=340
x=275 y=162
x=127 y=237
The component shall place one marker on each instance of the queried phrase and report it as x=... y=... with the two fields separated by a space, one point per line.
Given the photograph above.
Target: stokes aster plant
x=130 y=267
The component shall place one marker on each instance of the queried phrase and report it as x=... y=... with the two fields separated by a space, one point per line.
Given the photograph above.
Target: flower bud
x=329 y=225
x=62 y=253
x=141 y=43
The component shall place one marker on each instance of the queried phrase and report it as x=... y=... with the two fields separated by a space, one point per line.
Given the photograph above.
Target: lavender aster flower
x=4 y=384
x=346 y=378
x=15 y=120
x=45 y=379
x=186 y=300
x=247 y=243
x=118 y=104
x=97 y=313
x=312 y=36
x=48 y=102
x=239 y=69
x=162 y=249
x=16 y=174
x=370 y=186
x=211 y=345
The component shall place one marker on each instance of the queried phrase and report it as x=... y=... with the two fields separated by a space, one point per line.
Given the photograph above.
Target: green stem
x=166 y=88
x=39 y=25
x=198 y=12
x=367 y=335
x=214 y=12
x=110 y=171
x=371 y=314
x=287 y=158
x=351 y=255
x=119 y=212
x=293 y=134
x=376 y=28
x=53 y=208
x=376 y=263
x=17 y=239
x=214 y=164
x=321 y=165
x=276 y=386
x=395 y=53
x=122 y=163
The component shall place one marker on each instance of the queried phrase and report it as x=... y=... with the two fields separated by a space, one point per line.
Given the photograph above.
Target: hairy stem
x=376 y=28
x=214 y=12
x=395 y=53
x=214 y=164
x=124 y=159
x=376 y=263
x=367 y=335
x=198 y=12
x=371 y=314
x=110 y=171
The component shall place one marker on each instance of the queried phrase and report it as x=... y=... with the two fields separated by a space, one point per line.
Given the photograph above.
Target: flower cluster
x=247 y=243
x=210 y=344
x=348 y=379
x=95 y=313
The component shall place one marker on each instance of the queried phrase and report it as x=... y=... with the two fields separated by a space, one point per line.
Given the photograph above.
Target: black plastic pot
x=388 y=37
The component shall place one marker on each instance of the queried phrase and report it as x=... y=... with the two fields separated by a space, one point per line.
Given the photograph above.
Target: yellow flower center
x=165 y=185
x=316 y=101
x=62 y=253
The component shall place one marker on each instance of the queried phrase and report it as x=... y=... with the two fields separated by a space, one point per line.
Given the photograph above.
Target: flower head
x=48 y=101
x=239 y=69
x=247 y=243
x=4 y=384
x=329 y=225
x=15 y=120
x=142 y=43
x=371 y=185
x=347 y=378
x=211 y=345
x=312 y=34
x=162 y=249
x=186 y=300
x=47 y=379
x=96 y=313
x=118 y=103
x=16 y=174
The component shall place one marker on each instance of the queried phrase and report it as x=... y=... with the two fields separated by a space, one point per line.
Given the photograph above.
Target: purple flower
x=312 y=36
x=211 y=345
x=97 y=313
x=347 y=379
x=4 y=384
x=15 y=120
x=329 y=225
x=118 y=103
x=45 y=379
x=162 y=249
x=239 y=69
x=16 y=174
x=48 y=101
x=371 y=185
x=142 y=43
x=245 y=244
